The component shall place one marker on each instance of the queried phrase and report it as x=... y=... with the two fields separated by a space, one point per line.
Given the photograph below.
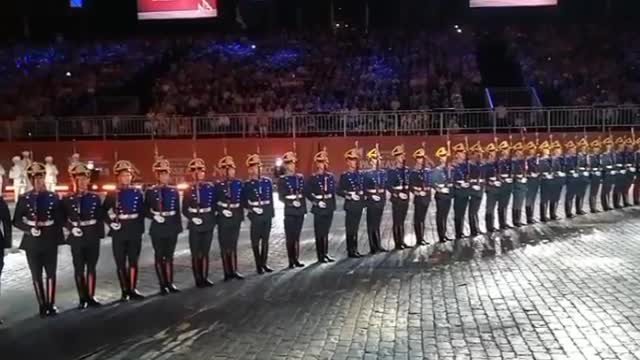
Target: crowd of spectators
x=584 y=64
x=53 y=79
x=348 y=73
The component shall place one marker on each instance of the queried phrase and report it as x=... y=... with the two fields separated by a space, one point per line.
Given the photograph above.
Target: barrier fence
x=340 y=124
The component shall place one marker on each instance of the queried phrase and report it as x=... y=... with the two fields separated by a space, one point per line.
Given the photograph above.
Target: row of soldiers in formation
x=507 y=175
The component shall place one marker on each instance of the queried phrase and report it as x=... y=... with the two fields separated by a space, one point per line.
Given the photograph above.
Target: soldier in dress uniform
x=533 y=180
x=460 y=177
x=40 y=216
x=506 y=176
x=560 y=178
x=257 y=196
x=320 y=190
x=5 y=234
x=376 y=197
x=582 y=159
x=547 y=181
x=230 y=217
x=291 y=193
x=519 y=172
x=629 y=166
x=18 y=177
x=493 y=187
x=442 y=184
x=609 y=173
x=619 y=182
x=398 y=187
x=125 y=216
x=476 y=192
x=85 y=221
x=420 y=185
x=162 y=206
x=596 y=175
x=351 y=188
x=570 y=161
x=198 y=206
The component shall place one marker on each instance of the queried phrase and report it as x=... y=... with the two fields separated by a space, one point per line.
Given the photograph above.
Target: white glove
x=257 y=210
x=403 y=196
x=322 y=204
x=159 y=219
x=375 y=197
x=115 y=226
x=227 y=213
x=196 y=220
x=35 y=232
x=355 y=197
x=77 y=232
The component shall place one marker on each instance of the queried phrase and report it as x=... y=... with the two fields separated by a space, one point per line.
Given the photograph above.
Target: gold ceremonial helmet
x=459 y=148
x=569 y=145
x=608 y=141
x=531 y=146
x=441 y=152
x=518 y=146
x=289 y=157
x=226 y=162
x=545 y=145
x=253 y=160
x=556 y=145
x=620 y=140
x=491 y=148
x=321 y=157
x=504 y=145
x=79 y=169
x=374 y=154
x=419 y=153
x=596 y=143
x=477 y=148
x=123 y=165
x=397 y=151
x=197 y=164
x=352 y=154
x=36 y=169
x=161 y=165
x=583 y=143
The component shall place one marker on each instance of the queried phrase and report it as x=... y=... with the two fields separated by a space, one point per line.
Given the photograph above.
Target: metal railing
x=383 y=123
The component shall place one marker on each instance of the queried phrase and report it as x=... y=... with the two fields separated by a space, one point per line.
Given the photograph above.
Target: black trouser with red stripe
x=126 y=252
x=200 y=245
x=321 y=226
x=47 y=260
x=85 y=258
x=292 y=230
x=164 y=248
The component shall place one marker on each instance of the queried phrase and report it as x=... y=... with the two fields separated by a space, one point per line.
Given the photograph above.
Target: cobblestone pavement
x=564 y=290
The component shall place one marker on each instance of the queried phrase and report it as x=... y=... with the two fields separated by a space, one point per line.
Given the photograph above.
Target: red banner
x=179 y=152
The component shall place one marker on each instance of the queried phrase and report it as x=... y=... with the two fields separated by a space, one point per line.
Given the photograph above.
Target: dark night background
x=40 y=19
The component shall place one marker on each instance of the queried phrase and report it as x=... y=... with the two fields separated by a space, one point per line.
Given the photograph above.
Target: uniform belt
x=293 y=197
x=164 y=213
x=349 y=196
x=322 y=197
x=128 y=216
x=401 y=187
x=374 y=191
x=46 y=223
x=228 y=206
x=83 y=223
x=200 y=210
x=259 y=203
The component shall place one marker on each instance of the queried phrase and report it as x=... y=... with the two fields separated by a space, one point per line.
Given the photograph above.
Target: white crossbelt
x=83 y=223
x=228 y=206
x=293 y=197
x=199 y=211
x=46 y=223
x=373 y=191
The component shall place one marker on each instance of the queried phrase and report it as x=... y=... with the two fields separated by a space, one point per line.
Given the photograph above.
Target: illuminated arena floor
x=564 y=290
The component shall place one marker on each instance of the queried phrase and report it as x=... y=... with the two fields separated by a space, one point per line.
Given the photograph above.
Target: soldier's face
x=557 y=152
x=373 y=163
x=420 y=161
x=290 y=166
x=164 y=177
x=443 y=160
x=351 y=163
x=199 y=175
x=321 y=166
x=253 y=170
x=125 y=178
x=492 y=156
x=400 y=159
x=83 y=182
x=519 y=154
x=596 y=149
x=38 y=183
x=461 y=156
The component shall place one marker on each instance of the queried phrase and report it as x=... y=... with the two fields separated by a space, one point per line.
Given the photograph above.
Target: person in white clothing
x=18 y=175
x=51 y=176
